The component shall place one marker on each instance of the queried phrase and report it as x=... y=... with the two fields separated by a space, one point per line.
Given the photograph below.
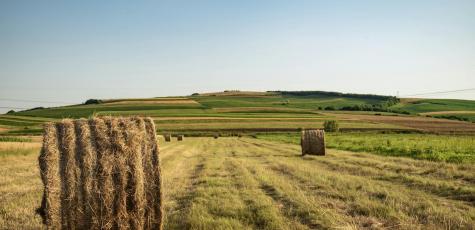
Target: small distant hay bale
x=102 y=173
x=167 y=137
x=180 y=137
x=313 y=142
x=216 y=136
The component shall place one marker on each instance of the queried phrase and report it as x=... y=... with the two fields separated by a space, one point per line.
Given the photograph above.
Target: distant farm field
x=246 y=183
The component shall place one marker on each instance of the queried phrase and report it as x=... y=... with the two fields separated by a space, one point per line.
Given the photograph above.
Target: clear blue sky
x=70 y=51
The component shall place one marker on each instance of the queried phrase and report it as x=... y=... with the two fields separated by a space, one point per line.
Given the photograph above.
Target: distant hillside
x=275 y=111
x=333 y=94
x=307 y=100
x=415 y=105
x=313 y=100
x=453 y=109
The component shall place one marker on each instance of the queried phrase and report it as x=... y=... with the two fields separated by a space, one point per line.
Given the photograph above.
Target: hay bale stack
x=102 y=173
x=313 y=142
x=180 y=137
x=168 y=137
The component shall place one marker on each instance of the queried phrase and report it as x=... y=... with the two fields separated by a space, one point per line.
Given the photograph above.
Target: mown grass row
x=14 y=139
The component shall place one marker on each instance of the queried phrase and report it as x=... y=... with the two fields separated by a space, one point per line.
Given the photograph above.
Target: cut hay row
x=313 y=142
x=102 y=173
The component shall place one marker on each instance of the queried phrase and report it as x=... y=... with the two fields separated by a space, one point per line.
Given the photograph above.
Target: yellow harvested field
x=251 y=109
x=448 y=112
x=239 y=93
x=158 y=101
x=19 y=145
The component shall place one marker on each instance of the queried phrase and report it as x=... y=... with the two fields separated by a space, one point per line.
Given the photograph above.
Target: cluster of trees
x=331 y=126
x=334 y=94
x=383 y=106
x=93 y=101
x=379 y=107
x=365 y=107
x=452 y=117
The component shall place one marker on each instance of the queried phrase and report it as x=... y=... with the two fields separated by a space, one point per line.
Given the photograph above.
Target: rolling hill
x=252 y=112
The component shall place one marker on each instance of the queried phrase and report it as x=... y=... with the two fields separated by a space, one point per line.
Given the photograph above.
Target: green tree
x=330 y=126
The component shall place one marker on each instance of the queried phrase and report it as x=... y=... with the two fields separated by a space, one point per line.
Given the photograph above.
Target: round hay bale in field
x=313 y=142
x=216 y=136
x=167 y=137
x=102 y=173
x=180 y=137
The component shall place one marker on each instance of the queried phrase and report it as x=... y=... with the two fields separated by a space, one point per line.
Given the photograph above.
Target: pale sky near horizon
x=69 y=51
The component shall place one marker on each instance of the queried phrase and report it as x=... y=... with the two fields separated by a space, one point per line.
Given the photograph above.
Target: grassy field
x=464 y=116
x=245 y=183
x=447 y=148
x=431 y=105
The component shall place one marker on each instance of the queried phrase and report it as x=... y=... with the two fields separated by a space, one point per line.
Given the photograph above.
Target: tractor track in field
x=282 y=207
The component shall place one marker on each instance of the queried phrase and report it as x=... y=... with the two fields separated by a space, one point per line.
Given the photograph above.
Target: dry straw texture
x=167 y=137
x=313 y=142
x=180 y=137
x=102 y=173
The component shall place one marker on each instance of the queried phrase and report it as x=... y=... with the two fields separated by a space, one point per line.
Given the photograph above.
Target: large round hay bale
x=313 y=142
x=102 y=173
x=180 y=137
x=216 y=136
x=167 y=137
